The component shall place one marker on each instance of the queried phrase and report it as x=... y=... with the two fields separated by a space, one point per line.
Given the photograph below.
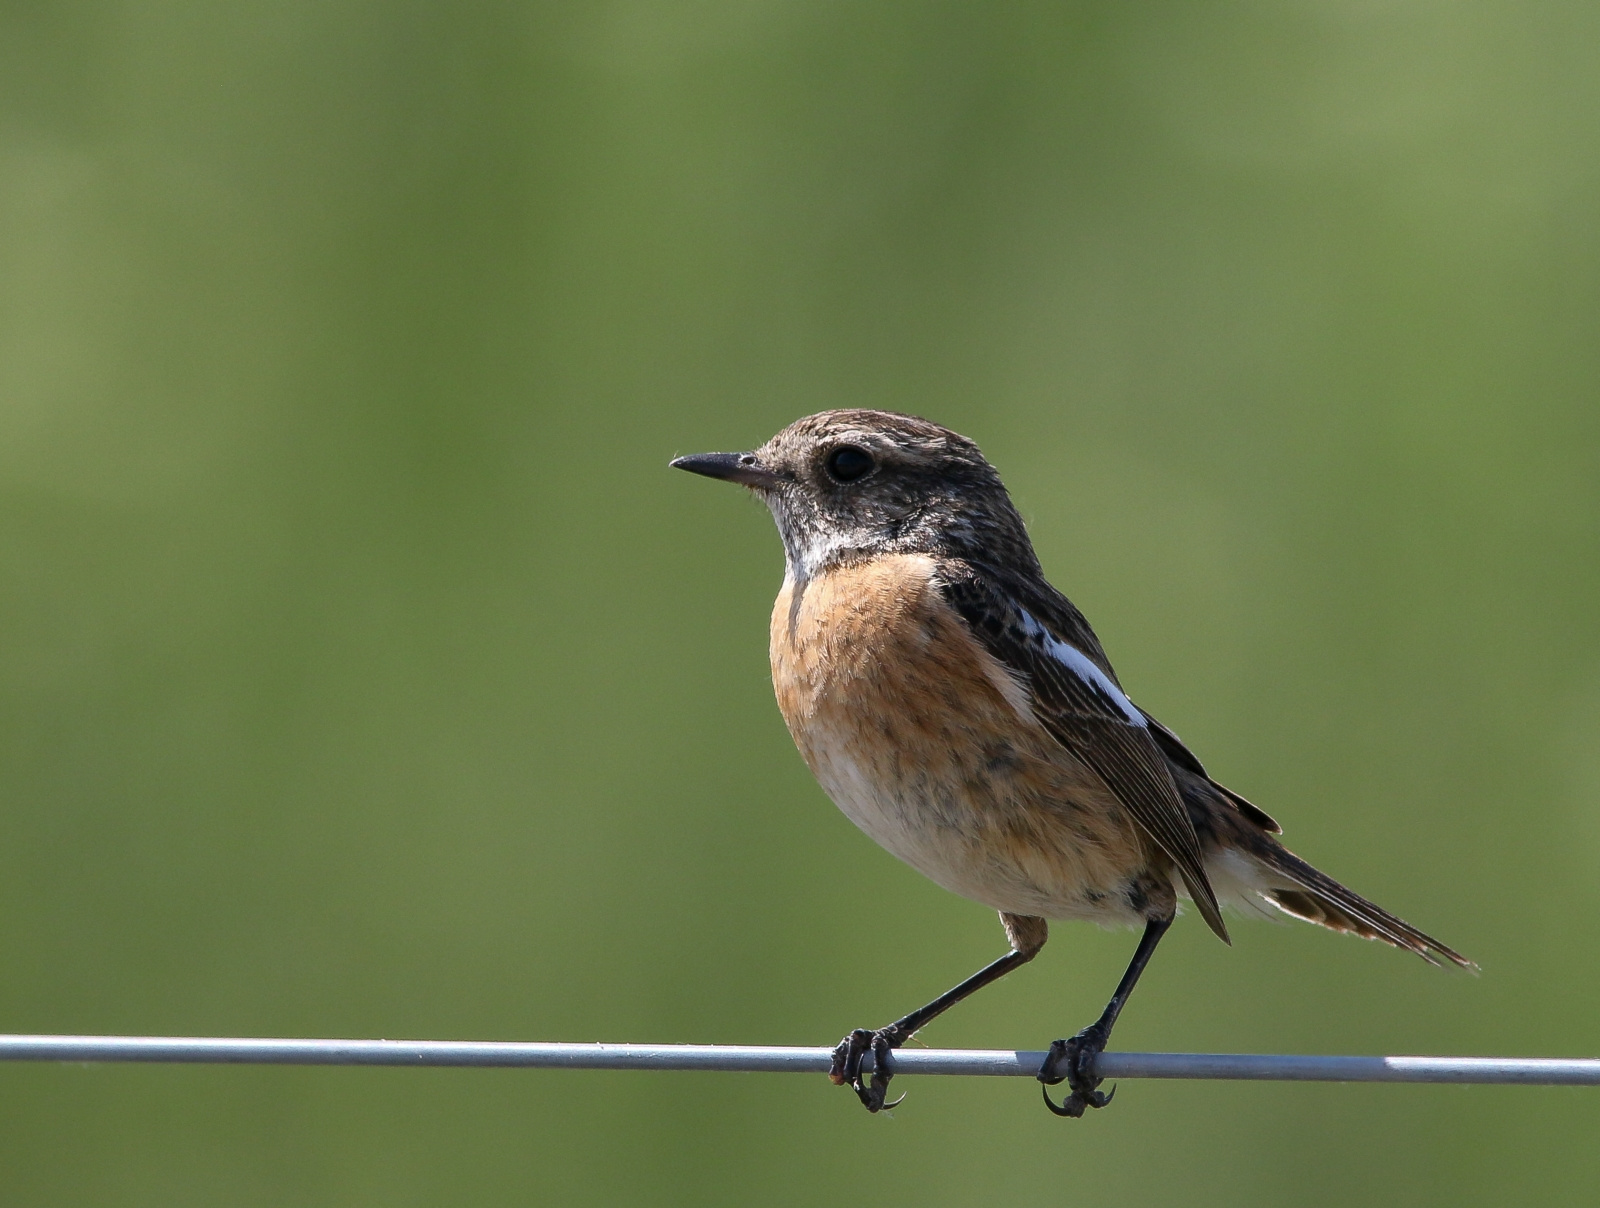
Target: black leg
x=852 y=1050
x=1080 y=1052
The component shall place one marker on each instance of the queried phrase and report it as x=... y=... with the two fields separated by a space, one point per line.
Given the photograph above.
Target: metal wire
x=217 y=1050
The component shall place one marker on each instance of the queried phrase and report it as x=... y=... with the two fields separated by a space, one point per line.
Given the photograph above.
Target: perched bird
x=961 y=712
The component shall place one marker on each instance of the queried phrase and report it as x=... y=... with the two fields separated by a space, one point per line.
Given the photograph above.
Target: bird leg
x=1027 y=936
x=1080 y=1052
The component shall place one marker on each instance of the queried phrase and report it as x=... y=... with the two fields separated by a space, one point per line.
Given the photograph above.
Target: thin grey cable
x=216 y=1050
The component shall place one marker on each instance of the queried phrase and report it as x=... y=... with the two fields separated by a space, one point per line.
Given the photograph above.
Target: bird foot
x=849 y=1055
x=1078 y=1055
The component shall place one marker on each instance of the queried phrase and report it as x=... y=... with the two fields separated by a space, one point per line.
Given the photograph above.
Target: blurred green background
x=364 y=671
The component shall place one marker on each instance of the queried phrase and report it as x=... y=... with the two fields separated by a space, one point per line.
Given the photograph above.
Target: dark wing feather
x=1172 y=747
x=1081 y=706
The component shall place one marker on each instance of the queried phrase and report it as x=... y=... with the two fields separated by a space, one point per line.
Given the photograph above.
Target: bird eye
x=848 y=463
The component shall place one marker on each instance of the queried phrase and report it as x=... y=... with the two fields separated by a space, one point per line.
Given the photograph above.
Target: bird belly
x=927 y=745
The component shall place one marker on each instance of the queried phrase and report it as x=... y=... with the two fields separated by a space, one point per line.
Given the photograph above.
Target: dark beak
x=743 y=468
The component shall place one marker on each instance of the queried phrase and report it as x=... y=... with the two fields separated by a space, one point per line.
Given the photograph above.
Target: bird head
x=844 y=486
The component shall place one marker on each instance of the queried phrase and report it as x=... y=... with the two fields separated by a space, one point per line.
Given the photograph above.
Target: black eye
x=848 y=463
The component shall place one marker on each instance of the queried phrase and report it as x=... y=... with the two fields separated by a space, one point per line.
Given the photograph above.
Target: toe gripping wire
x=1081 y=1051
x=852 y=1050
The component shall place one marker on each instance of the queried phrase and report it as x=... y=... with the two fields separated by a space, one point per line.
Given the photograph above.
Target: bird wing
x=1172 y=747
x=1078 y=701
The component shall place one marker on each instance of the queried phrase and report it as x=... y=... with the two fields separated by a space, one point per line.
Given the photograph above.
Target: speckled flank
x=927 y=744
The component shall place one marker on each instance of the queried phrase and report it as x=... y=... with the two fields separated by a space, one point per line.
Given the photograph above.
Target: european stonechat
x=960 y=710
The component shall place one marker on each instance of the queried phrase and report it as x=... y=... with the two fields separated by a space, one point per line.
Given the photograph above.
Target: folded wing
x=1079 y=703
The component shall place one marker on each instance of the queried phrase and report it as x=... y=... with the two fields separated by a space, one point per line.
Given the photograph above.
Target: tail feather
x=1318 y=898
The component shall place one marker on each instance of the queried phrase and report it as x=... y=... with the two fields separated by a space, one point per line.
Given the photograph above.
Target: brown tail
x=1318 y=898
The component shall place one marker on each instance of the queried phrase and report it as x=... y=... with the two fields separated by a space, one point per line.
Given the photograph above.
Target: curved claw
x=1079 y=1053
x=846 y=1068
x=1074 y=1105
x=1064 y=1109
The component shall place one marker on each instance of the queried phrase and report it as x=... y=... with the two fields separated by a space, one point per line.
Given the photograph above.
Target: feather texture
x=1318 y=898
x=1078 y=701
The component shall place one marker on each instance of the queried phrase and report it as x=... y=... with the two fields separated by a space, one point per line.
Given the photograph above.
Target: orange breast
x=925 y=742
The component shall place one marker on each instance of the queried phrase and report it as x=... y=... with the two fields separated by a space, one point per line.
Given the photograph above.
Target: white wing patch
x=1075 y=661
